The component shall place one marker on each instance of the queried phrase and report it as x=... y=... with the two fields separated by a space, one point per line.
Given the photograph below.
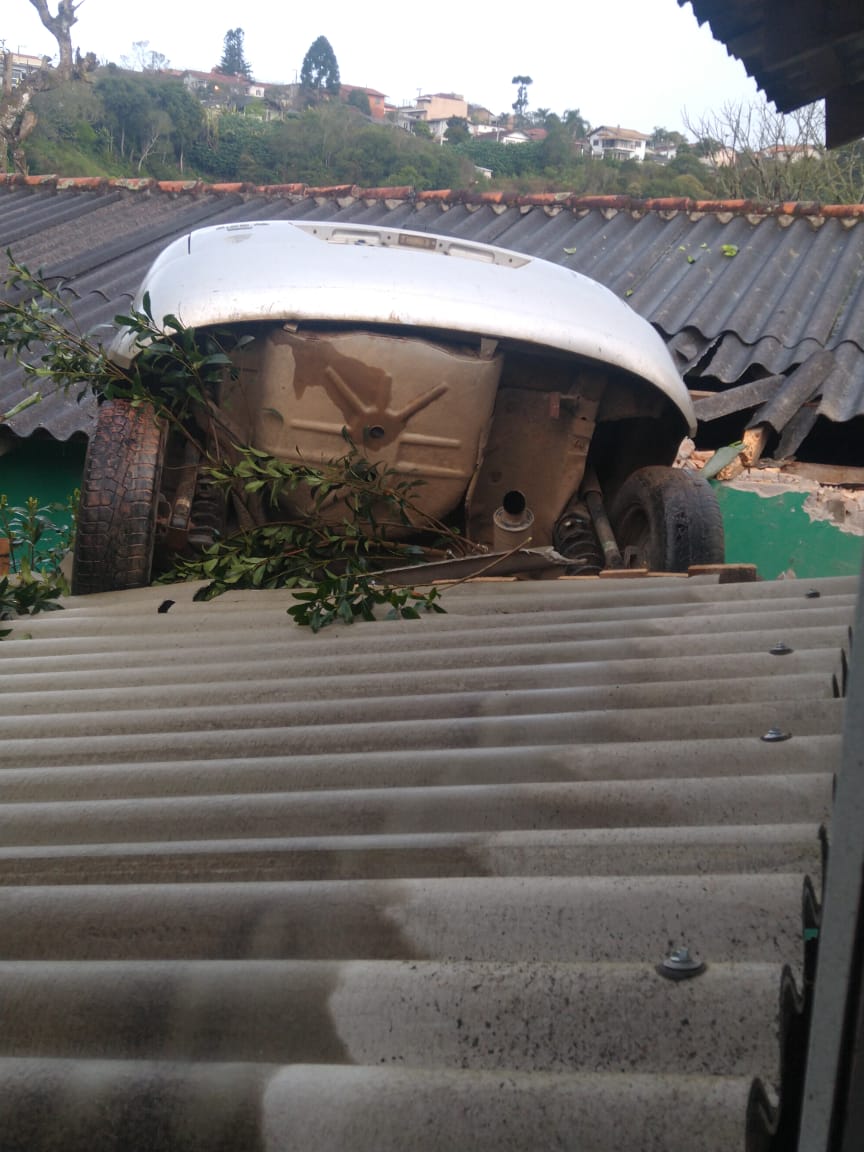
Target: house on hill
x=434 y=111
x=790 y=153
x=377 y=100
x=618 y=143
x=14 y=66
x=216 y=88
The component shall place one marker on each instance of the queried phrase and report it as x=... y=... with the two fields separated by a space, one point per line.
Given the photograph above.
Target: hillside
x=120 y=123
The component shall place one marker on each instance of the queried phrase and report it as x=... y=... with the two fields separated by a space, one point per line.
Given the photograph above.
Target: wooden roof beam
x=797 y=30
x=844 y=115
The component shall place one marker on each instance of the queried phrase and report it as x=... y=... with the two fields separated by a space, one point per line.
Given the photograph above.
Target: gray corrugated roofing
x=407 y=884
x=794 y=286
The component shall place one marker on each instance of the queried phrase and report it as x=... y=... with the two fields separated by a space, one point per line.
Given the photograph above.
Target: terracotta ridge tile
x=82 y=181
x=398 y=192
x=334 y=190
x=404 y=192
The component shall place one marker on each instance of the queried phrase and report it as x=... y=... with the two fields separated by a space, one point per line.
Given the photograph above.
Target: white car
x=535 y=406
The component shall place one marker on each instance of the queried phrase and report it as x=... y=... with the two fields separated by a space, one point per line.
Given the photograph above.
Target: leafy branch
x=327 y=530
x=336 y=552
x=37 y=546
x=174 y=367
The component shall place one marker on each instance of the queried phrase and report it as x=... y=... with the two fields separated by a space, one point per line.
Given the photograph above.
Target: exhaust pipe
x=512 y=523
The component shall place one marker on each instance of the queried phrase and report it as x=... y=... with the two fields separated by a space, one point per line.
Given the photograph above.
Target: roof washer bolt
x=680 y=965
x=775 y=736
x=812 y=594
x=781 y=649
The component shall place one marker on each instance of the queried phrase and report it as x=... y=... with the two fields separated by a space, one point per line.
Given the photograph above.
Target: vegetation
x=319 y=73
x=37 y=547
x=333 y=561
x=127 y=123
x=143 y=122
x=520 y=104
x=762 y=155
x=233 y=62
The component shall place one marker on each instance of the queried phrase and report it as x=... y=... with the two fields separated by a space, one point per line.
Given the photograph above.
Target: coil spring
x=207 y=519
x=574 y=538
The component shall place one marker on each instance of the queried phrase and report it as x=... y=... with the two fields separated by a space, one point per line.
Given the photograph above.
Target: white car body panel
x=358 y=275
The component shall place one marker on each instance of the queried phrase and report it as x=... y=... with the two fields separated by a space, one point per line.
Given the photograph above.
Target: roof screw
x=680 y=965
x=812 y=594
x=781 y=649
x=776 y=735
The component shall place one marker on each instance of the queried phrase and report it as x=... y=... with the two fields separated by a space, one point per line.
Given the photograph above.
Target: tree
x=557 y=149
x=576 y=124
x=185 y=115
x=60 y=27
x=457 y=130
x=144 y=58
x=662 y=136
x=521 y=102
x=233 y=62
x=319 y=74
x=763 y=155
x=358 y=99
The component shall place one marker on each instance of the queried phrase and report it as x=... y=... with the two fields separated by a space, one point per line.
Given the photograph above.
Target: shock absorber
x=574 y=538
x=207 y=518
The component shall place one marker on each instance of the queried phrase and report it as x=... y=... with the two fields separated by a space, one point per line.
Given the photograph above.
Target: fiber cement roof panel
x=292 y=890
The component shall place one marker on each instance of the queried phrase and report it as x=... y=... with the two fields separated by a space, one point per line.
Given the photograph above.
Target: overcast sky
x=637 y=63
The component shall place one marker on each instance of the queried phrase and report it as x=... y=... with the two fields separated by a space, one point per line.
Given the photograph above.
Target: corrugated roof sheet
x=408 y=884
x=794 y=286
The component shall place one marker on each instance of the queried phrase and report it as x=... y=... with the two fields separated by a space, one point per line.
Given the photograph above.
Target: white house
x=619 y=143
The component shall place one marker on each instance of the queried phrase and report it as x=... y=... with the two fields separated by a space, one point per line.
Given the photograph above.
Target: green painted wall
x=45 y=469
x=41 y=468
x=776 y=534
x=772 y=532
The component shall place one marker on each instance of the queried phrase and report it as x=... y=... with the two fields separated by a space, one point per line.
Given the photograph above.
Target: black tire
x=666 y=519
x=116 y=529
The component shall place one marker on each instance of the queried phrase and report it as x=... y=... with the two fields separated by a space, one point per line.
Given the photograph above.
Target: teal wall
x=45 y=469
x=772 y=532
x=42 y=468
x=776 y=534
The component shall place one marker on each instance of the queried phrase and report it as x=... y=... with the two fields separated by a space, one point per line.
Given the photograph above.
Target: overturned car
x=536 y=408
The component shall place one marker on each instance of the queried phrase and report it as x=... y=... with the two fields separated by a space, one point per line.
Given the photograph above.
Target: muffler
x=512 y=523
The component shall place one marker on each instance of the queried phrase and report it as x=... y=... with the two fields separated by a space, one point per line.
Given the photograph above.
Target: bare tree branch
x=60 y=27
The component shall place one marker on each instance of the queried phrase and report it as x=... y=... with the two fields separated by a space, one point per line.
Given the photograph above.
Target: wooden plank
x=622 y=573
x=728 y=573
x=840 y=474
x=754 y=440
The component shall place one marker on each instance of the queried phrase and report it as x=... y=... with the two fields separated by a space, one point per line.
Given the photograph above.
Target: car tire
x=116 y=529
x=666 y=519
